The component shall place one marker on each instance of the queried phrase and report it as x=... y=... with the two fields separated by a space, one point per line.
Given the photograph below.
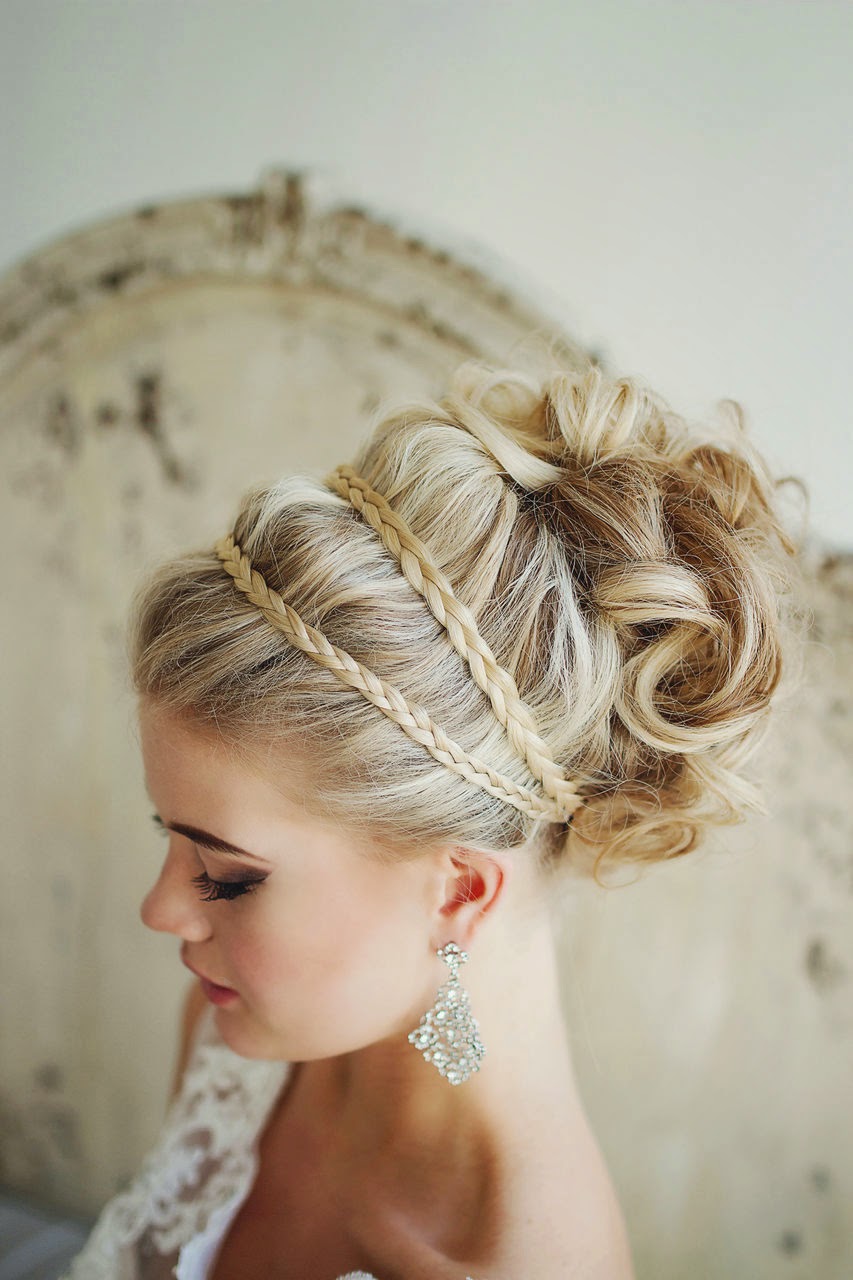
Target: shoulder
x=565 y=1217
x=194 y=1005
x=600 y=1249
x=563 y=1244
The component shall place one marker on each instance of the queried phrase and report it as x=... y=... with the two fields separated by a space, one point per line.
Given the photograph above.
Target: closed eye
x=211 y=890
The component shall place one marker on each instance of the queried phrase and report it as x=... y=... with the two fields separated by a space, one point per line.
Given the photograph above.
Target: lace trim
x=202 y=1165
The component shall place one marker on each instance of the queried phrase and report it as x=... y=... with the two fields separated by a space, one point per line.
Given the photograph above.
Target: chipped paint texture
x=151 y=369
x=711 y=1006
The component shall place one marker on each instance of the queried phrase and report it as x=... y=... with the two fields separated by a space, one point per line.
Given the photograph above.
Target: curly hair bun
x=589 y=594
x=681 y=578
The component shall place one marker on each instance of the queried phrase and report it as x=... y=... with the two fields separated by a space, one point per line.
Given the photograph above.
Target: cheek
x=287 y=946
x=336 y=973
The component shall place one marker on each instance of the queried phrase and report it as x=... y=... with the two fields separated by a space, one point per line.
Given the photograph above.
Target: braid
x=412 y=718
x=458 y=620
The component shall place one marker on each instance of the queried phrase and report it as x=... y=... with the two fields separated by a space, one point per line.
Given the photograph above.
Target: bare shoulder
x=567 y=1220
x=600 y=1249
x=194 y=1004
x=572 y=1246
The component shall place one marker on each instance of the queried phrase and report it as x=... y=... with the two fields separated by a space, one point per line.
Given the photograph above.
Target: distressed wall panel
x=151 y=369
x=712 y=1007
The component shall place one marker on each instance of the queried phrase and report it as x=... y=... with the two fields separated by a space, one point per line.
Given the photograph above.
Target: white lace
x=170 y=1221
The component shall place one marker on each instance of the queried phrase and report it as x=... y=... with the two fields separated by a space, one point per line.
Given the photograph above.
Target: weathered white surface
x=712 y=1009
x=151 y=369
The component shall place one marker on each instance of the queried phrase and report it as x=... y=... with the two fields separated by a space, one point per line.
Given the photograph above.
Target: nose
x=172 y=904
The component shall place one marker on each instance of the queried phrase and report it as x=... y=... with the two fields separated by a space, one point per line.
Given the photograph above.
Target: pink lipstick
x=216 y=994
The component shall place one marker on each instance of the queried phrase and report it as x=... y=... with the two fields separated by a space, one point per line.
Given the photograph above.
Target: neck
x=386 y=1109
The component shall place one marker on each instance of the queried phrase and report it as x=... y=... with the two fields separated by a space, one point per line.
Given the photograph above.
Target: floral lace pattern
x=171 y=1218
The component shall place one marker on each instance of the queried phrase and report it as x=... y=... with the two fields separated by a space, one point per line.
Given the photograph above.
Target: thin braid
x=495 y=681
x=409 y=716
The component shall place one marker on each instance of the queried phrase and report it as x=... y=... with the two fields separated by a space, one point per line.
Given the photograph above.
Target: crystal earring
x=448 y=1034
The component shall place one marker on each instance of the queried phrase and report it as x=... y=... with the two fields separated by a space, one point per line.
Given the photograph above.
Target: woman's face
x=329 y=950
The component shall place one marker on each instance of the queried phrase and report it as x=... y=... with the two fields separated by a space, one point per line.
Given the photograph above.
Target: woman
x=532 y=632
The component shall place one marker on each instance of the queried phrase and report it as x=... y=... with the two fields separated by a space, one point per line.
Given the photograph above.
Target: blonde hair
x=628 y=574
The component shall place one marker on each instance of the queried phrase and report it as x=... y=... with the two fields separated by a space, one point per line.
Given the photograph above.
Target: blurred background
x=230 y=230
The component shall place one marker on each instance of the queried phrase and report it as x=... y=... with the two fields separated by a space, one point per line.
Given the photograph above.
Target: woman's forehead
x=257 y=800
x=184 y=757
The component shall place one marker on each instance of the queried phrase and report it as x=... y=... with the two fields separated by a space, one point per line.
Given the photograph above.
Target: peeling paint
x=62 y=425
x=790 y=1243
x=117 y=277
x=824 y=970
x=281 y=203
x=420 y=314
x=293 y=208
x=107 y=414
x=149 y=420
x=49 y=1076
x=248 y=225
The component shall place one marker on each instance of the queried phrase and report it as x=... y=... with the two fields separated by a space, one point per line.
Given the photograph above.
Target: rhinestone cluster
x=448 y=1034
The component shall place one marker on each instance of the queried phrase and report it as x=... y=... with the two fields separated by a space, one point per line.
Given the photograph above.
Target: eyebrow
x=204 y=838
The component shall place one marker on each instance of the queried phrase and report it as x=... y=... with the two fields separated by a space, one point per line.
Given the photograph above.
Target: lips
x=218 y=995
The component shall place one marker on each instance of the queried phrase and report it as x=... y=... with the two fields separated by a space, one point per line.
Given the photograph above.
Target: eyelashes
x=211 y=890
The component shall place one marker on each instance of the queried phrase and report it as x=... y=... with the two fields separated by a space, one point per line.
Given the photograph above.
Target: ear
x=472 y=884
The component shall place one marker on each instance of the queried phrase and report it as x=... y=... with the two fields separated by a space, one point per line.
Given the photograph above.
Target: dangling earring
x=448 y=1034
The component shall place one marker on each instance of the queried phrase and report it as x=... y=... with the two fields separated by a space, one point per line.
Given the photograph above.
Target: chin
x=247 y=1040
x=251 y=1039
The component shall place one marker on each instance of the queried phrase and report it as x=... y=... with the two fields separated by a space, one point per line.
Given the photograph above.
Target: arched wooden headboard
x=153 y=367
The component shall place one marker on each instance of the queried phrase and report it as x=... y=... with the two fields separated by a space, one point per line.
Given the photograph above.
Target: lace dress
x=169 y=1223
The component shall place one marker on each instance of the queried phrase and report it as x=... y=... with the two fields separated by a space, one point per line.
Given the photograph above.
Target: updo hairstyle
x=632 y=574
